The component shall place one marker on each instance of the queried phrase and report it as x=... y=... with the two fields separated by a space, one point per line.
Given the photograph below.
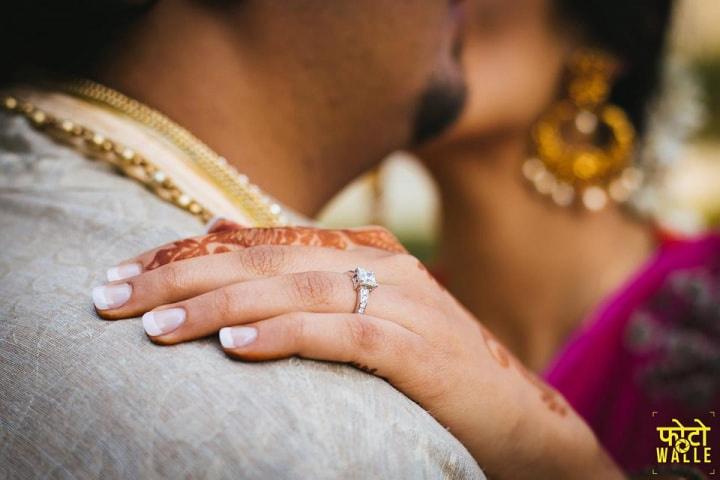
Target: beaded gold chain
x=259 y=207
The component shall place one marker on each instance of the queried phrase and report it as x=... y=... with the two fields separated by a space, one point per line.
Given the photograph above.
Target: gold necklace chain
x=258 y=206
x=95 y=145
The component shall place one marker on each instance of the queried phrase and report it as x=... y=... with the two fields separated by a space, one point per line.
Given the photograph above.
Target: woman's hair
x=635 y=31
x=61 y=36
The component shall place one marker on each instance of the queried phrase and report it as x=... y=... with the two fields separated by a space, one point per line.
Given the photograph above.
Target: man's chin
x=439 y=106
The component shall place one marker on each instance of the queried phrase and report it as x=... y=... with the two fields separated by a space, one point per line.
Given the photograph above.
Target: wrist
x=568 y=449
x=551 y=445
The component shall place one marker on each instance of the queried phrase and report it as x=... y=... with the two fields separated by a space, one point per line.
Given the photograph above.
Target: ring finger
x=254 y=300
x=188 y=278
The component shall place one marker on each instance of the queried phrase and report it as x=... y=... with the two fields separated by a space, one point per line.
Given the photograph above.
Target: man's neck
x=234 y=100
x=529 y=269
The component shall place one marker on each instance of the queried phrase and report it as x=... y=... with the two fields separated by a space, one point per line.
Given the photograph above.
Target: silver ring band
x=364 y=282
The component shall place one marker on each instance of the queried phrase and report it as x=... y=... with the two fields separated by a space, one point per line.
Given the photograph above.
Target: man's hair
x=636 y=31
x=62 y=36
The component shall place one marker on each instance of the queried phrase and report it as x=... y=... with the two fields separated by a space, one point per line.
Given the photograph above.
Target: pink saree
x=650 y=354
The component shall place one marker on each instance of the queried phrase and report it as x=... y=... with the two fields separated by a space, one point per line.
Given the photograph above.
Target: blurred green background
x=707 y=71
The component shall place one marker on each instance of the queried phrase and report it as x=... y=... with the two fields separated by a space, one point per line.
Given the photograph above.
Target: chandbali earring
x=583 y=145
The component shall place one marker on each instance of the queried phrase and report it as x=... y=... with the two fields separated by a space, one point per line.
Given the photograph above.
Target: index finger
x=232 y=240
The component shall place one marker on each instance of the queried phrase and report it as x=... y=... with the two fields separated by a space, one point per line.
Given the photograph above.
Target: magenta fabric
x=653 y=346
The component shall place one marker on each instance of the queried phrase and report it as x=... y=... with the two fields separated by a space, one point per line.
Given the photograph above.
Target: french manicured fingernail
x=111 y=296
x=161 y=322
x=121 y=272
x=234 y=337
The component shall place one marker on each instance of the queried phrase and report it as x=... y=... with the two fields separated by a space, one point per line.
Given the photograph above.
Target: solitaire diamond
x=364 y=278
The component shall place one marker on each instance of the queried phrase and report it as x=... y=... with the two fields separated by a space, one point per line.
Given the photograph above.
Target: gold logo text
x=682 y=443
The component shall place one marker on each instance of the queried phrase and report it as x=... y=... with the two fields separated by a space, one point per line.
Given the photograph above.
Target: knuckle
x=263 y=260
x=296 y=327
x=173 y=277
x=313 y=288
x=405 y=261
x=365 y=335
x=404 y=266
x=221 y=303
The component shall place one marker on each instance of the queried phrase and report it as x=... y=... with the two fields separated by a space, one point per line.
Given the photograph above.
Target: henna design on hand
x=226 y=238
x=364 y=368
x=226 y=235
x=549 y=396
x=181 y=250
x=496 y=349
x=375 y=237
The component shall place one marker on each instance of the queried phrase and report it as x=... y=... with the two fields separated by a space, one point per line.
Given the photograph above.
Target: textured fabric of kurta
x=81 y=397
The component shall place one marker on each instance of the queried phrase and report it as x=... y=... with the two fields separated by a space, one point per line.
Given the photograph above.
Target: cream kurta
x=85 y=398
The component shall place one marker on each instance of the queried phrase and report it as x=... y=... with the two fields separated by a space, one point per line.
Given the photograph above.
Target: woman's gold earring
x=583 y=145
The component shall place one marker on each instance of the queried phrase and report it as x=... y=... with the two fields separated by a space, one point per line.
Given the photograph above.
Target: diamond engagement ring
x=364 y=282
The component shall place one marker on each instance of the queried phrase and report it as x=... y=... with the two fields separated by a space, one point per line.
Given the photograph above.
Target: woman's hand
x=271 y=296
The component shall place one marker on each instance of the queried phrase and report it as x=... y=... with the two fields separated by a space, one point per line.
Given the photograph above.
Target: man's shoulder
x=45 y=183
x=97 y=398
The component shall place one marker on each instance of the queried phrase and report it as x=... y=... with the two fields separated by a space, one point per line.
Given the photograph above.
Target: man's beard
x=439 y=106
